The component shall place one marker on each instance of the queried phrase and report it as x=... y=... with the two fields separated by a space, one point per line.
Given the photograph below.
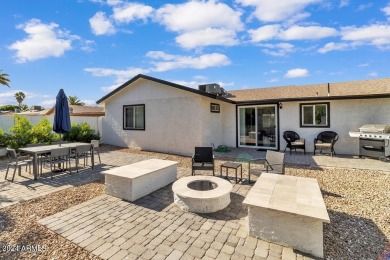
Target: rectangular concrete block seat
x=288 y=210
x=133 y=181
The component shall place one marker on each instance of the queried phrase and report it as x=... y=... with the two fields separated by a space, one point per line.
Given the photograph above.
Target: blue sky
x=90 y=47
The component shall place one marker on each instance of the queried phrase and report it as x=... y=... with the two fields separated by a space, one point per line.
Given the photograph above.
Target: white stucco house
x=157 y=115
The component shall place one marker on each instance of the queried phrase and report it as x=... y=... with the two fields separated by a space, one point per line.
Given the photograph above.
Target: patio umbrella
x=61 y=117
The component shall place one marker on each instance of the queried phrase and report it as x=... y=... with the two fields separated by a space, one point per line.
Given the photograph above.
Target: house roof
x=80 y=111
x=339 y=90
x=171 y=84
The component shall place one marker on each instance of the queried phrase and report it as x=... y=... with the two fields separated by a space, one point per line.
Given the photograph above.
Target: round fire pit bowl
x=202 y=194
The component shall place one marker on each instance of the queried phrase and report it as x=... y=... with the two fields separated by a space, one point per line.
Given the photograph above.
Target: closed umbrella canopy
x=61 y=117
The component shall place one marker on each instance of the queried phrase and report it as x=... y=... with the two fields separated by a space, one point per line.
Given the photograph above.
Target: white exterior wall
x=175 y=120
x=8 y=121
x=218 y=128
x=345 y=116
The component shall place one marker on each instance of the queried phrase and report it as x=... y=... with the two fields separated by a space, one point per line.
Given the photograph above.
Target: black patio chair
x=294 y=141
x=203 y=159
x=325 y=141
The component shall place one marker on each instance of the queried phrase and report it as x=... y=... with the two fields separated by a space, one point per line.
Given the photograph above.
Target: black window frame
x=213 y=110
x=124 y=120
x=301 y=105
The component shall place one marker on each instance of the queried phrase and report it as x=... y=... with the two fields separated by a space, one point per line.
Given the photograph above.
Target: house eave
x=171 y=84
x=273 y=101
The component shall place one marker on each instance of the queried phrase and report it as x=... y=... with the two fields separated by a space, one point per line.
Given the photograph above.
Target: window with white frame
x=134 y=117
x=314 y=115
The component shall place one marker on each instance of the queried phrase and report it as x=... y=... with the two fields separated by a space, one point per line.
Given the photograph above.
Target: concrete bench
x=133 y=181
x=289 y=211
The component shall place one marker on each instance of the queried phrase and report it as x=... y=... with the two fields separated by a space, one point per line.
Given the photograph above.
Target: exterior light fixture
x=280 y=105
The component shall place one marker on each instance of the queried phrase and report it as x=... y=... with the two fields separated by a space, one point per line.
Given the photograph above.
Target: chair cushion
x=299 y=142
x=323 y=145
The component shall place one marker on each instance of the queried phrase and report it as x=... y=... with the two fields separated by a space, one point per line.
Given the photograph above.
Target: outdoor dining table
x=38 y=150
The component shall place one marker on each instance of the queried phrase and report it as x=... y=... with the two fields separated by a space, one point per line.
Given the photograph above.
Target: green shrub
x=8 y=107
x=20 y=132
x=42 y=132
x=4 y=137
x=81 y=133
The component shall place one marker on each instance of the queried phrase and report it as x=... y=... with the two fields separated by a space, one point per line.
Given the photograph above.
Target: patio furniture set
x=283 y=209
x=324 y=141
x=56 y=156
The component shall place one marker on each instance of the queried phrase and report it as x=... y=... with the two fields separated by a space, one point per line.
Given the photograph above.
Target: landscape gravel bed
x=357 y=201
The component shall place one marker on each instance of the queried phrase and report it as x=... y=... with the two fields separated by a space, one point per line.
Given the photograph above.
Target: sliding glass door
x=258 y=126
x=248 y=126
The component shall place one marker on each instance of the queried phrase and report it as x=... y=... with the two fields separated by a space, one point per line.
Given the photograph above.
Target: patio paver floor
x=153 y=227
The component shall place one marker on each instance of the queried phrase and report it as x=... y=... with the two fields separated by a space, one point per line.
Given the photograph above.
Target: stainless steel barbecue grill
x=373 y=141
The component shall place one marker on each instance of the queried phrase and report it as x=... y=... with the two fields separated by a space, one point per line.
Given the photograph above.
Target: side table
x=232 y=165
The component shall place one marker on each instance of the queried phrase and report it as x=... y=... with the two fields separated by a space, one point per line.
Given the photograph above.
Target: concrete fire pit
x=202 y=194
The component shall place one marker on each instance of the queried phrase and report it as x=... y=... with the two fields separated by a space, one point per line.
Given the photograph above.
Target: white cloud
x=132 y=11
x=364 y=65
x=108 y=2
x=344 y=3
x=195 y=83
x=9 y=96
x=193 y=15
x=201 y=23
x=295 y=32
x=207 y=37
x=363 y=7
x=297 y=73
x=43 y=40
x=386 y=9
x=279 y=49
x=121 y=76
x=101 y=25
x=275 y=11
x=273 y=80
x=271 y=72
x=332 y=46
x=264 y=33
x=48 y=103
x=170 y=62
x=89 y=102
x=373 y=74
x=376 y=34
x=307 y=33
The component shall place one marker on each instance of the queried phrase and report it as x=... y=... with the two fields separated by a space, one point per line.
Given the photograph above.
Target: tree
x=74 y=100
x=20 y=97
x=4 y=80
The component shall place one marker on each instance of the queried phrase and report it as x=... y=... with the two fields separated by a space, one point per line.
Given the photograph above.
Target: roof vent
x=213 y=88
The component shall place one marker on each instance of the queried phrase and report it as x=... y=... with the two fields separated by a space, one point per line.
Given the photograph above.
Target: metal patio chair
x=272 y=163
x=82 y=152
x=17 y=161
x=95 y=148
x=203 y=159
x=59 y=156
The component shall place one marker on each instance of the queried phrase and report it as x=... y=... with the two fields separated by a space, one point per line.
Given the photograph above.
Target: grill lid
x=375 y=129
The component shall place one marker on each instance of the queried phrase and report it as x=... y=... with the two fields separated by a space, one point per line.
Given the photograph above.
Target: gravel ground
x=357 y=201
